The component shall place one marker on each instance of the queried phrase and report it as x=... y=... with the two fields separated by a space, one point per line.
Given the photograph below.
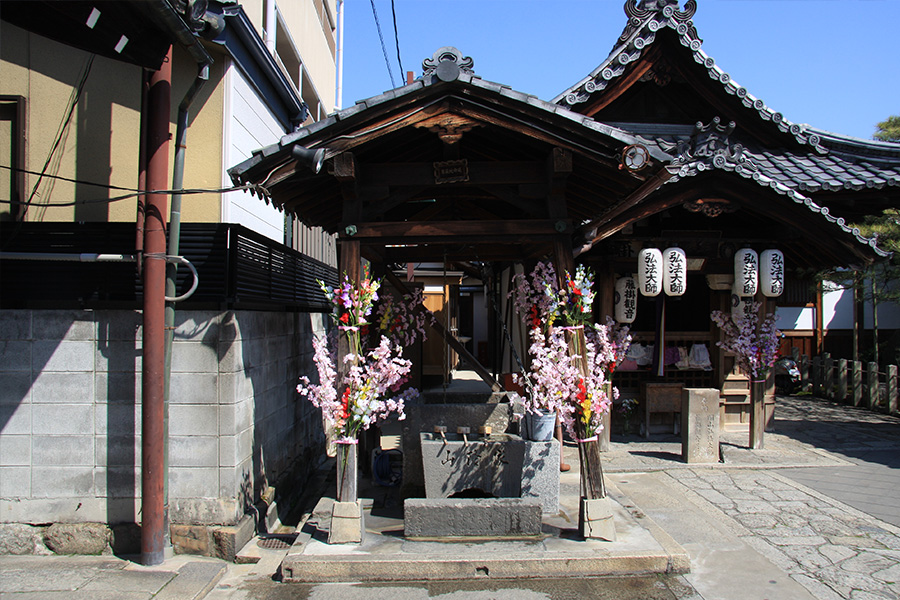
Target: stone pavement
x=106 y=578
x=807 y=517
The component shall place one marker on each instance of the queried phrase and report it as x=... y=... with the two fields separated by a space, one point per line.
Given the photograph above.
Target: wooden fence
x=851 y=382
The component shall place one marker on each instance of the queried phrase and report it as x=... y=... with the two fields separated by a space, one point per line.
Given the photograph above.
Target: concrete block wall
x=70 y=413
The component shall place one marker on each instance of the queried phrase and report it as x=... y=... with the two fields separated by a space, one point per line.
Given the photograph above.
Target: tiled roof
x=849 y=164
x=641 y=32
x=279 y=152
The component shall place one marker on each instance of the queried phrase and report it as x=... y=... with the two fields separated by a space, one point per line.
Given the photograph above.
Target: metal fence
x=237 y=267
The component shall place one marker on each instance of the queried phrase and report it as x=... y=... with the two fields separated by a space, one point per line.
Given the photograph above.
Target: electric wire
x=236 y=188
x=61 y=134
x=63 y=128
x=397 y=43
x=70 y=180
x=383 y=47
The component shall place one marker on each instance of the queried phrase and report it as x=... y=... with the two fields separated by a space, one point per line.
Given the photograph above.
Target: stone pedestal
x=595 y=519
x=467 y=517
x=347 y=523
x=700 y=425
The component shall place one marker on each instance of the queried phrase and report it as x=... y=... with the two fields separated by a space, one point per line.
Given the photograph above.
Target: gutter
x=248 y=50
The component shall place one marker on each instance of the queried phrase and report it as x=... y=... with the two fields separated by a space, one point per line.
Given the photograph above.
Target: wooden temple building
x=657 y=147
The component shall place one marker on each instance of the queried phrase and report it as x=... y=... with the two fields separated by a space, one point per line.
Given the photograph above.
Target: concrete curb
x=644 y=548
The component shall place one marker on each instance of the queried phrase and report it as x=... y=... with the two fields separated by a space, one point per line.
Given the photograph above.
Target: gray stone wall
x=70 y=414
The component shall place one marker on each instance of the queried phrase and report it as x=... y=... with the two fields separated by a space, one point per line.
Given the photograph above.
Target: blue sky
x=830 y=63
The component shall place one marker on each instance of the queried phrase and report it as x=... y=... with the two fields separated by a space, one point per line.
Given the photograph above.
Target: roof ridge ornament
x=669 y=9
x=447 y=64
x=661 y=12
x=709 y=147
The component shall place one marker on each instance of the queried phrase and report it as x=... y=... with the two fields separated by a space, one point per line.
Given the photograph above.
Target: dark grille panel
x=238 y=269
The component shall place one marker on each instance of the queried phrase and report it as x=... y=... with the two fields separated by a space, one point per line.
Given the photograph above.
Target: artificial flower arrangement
x=370 y=390
x=572 y=359
x=754 y=341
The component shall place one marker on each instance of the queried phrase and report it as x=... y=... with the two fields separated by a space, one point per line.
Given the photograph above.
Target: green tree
x=888 y=130
x=875 y=283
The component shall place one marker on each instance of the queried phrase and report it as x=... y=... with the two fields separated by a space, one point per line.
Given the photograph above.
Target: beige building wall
x=100 y=142
x=97 y=144
x=204 y=160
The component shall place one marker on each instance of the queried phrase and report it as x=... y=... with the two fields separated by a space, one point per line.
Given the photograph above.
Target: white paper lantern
x=625 y=299
x=650 y=271
x=771 y=273
x=746 y=271
x=741 y=306
x=674 y=271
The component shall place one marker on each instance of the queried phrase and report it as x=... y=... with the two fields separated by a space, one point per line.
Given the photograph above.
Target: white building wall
x=837 y=313
x=249 y=125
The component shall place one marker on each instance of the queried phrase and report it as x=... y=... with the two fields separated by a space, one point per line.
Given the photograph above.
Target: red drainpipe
x=153 y=518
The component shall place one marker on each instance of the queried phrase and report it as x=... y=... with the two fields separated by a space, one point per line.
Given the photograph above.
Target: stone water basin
x=499 y=465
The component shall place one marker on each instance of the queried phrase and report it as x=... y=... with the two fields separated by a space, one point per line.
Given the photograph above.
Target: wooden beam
x=449 y=338
x=648 y=187
x=559 y=166
x=509 y=231
x=612 y=93
x=479 y=173
x=377 y=208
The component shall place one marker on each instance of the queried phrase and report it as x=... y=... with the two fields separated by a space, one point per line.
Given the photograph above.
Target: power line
x=383 y=47
x=70 y=180
x=261 y=191
x=397 y=42
x=63 y=127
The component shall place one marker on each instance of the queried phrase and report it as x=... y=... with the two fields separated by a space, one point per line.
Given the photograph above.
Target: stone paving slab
x=106 y=578
x=832 y=549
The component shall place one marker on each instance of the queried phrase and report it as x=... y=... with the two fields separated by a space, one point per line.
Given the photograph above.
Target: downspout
x=174 y=250
x=163 y=13
x=153 y=524
x=339 y=95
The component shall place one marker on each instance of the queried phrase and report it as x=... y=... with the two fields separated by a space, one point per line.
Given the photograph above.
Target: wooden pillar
x=606 y=287
x=820 y=323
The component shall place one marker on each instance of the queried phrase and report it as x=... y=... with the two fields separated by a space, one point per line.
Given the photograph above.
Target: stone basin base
x=473 y=517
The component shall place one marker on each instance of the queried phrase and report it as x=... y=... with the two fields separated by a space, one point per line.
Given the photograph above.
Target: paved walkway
x=813 y=515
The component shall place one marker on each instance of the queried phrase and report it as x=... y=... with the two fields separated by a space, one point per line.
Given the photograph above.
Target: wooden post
x=820 y=321
x=805 y=382
x=872 y=395
x=841 y=392
x=891 y=389
x=592 y=485
x=856 y=386
x=817 y=373
x=829 y=377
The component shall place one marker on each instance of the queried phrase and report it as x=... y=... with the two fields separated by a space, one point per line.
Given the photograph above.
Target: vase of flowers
x=754 y=341
x=571 y=360
x=363 y=387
